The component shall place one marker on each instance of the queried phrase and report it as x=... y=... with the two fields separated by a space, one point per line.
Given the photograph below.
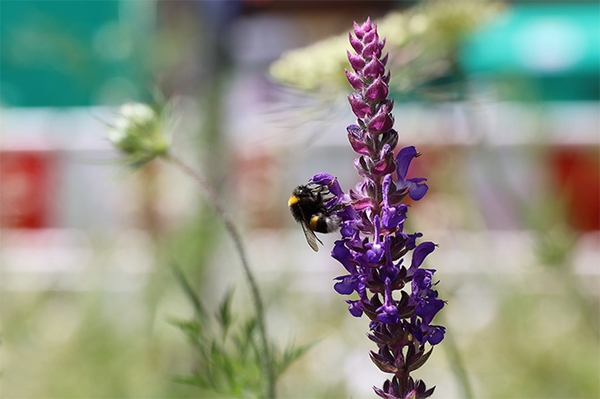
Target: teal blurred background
x=505 y=114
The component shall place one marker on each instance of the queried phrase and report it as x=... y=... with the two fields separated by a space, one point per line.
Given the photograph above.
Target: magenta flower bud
x=382 y=122
x=371 y=50
x=356 y=62
x=359 y=146
x=385 y=165
x=371 y=37
x=360 y=108
x=354 y=80
x=356 y=44
x=358 y=30
x=373 y=69
x=377 y=91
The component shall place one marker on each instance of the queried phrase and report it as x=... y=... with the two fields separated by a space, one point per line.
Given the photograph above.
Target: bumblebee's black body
x=307 y=205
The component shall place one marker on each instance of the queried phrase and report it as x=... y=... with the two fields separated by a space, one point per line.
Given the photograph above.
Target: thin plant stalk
x=230 y=227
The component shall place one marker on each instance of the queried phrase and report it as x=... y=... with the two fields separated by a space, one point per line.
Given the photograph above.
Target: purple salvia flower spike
x=373 y=246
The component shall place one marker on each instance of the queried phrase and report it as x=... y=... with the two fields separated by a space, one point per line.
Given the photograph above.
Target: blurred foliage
x=539 y=345
x=228 y=359
x=72 y=345
x=421 y=42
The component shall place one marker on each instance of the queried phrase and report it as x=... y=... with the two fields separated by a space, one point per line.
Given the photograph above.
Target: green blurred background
x=501 y=99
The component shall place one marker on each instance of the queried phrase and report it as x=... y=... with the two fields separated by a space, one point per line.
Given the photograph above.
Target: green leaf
x=189 y=292
x=290 y=355
x=224 y=315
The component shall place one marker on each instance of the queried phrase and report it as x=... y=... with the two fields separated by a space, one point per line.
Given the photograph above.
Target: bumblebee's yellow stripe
x=313 y=222
x=293 y=200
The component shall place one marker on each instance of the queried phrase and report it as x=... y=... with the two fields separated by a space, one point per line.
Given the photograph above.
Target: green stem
x=230 y=227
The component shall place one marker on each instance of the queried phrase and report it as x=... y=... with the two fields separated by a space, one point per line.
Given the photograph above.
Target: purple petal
x=346 y=285
x=388 y=314
x=336 y=189
x=417 y=191
x=429 y=309
x=435 y=334
x=323 y=179
x=419 y=255
x=394 y=216
x=355 y=308
x=404 y=157
x=411 y=240
x=343 y=255
x=375 y=252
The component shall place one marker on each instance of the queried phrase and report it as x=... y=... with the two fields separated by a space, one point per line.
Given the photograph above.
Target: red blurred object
x=26 y=188
x=576 y=171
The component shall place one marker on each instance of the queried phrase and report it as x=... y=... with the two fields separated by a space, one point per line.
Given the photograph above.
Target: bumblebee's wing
x=311 y=238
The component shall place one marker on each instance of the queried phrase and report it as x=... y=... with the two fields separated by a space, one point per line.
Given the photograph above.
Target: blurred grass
x=69 y=345
x=103 y=343
x=540 y=345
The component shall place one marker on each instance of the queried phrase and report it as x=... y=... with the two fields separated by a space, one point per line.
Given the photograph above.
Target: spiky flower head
x=140 y=133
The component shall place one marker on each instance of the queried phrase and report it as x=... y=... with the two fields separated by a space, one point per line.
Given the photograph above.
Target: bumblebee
x=307 y=205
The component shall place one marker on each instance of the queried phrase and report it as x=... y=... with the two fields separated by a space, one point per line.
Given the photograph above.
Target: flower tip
x=366 y=26
x=358 y=31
